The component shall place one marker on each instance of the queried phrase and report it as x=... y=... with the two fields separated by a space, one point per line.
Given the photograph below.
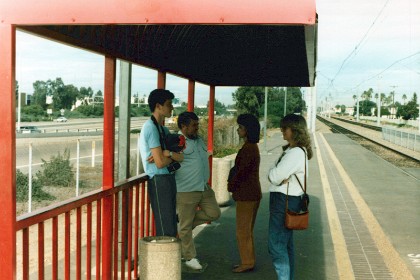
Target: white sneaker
x=194 y=264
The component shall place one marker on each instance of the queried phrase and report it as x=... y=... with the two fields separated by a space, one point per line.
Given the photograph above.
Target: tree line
x=63 y=96
x=406 y=110
x=252 y=99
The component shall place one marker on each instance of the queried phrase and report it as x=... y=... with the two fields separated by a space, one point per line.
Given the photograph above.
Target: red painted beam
x=161 y=80
x=7 y=152
x=158 y=12
x=210 y=128
x=108 y=166
x=191 y=95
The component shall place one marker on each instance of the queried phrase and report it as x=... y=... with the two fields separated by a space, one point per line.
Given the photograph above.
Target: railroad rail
x=346 y=131
x=372 y=127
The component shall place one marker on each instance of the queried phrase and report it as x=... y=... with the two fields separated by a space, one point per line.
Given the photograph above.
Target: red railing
x=64 y=240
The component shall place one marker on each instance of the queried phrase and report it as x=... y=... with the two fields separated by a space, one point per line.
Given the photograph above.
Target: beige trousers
x=246 y=212
x=194 y=208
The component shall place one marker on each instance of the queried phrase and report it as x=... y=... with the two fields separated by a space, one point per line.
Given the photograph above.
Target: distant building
x=350 y=111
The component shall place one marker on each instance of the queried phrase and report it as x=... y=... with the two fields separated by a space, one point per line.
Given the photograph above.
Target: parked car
x=61 y=119
x=29 y=129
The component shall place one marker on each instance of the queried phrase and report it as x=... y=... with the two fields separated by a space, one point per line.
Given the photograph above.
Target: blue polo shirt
x=149 y=139
x=195 y=171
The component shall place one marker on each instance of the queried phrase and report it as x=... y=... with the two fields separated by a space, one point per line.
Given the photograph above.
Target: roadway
x=56 y=137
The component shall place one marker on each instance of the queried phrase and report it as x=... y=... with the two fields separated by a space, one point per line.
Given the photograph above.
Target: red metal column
x=211 y=128
x=7 y=153
x=161 y=81
x=191 y=95
x=108 y=166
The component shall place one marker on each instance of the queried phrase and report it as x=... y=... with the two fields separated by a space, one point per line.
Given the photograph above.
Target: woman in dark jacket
x=246 y=190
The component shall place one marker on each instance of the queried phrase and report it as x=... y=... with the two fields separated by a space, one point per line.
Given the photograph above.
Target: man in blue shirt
x=155 y=158
x=196 y=202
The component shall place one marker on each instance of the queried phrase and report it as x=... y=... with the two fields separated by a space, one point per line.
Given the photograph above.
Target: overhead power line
x=380 y=73
x=357 y=47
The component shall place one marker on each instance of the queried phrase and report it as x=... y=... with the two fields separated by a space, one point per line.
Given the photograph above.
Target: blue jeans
x=280 y=239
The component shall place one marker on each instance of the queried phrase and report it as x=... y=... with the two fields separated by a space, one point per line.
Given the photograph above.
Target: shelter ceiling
x=220 y=55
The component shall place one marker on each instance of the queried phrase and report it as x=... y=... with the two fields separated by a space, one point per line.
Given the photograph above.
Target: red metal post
x=41 y=251
x=67 y=246
x=7 y=152
x=108 y=165
x=55 y=247
x=136 y=230
x=123 y=233
x=210 y=128
x=98 y=238
x=191 y=95
x=25 y=254
x=130 y=232
x=116 y=229
x=142 y=210
x=79 y=243
x=161 y=80
x=89 y=242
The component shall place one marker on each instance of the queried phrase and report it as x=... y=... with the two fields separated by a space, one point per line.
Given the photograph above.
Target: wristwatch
x=170 y=154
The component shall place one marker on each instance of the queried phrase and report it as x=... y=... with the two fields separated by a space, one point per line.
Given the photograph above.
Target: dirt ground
x=90 y=179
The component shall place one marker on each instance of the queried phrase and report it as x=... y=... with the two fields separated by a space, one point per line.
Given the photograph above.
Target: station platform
x=364 y=219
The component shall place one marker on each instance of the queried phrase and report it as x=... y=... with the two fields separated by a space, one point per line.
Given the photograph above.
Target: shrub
x=225 y=151
x=58 y=171
x=22 y=189
x=74 y=115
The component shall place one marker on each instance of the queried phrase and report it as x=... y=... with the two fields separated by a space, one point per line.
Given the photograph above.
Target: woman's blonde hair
x=300 y=133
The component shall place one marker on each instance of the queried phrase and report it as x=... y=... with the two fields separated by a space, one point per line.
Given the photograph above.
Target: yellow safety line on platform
x=392 y=259
x=345 y=270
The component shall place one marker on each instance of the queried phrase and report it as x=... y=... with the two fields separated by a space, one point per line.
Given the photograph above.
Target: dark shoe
x=242 y=268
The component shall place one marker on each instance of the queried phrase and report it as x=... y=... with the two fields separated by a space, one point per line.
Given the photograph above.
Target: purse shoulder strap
x=304 y=178
x=303 y=188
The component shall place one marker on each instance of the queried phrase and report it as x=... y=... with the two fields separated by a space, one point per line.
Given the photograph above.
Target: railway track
x=393 y=156
x=372 y=127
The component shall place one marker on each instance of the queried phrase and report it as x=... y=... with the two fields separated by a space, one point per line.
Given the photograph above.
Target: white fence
x=405 y=139
x=384 y=120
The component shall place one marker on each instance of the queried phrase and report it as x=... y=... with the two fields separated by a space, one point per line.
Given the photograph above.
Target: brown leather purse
x=293 y=220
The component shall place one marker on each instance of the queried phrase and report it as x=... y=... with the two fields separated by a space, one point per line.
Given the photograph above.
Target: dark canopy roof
x=239 y=43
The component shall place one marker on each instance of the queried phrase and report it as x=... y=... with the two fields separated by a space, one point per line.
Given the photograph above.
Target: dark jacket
x=245 y=184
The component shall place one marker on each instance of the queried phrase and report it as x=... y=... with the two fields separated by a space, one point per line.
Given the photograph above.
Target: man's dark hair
x=159 y=96
x=252 y=126
x=185 y=118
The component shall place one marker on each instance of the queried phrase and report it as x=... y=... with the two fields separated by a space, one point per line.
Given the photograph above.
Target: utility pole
x=378 y=100
x=393 y=109
x=265 y=121
x=357 y=112
x=19 y=108
x=285 y=101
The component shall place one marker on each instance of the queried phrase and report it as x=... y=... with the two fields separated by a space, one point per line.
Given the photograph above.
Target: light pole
x=285 y=101
x=265 y=121
x=19 y=105
x=393 y=116
x=378 y=108
x=357 y=111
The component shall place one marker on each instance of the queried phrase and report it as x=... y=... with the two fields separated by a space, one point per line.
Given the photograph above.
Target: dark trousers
x=162 y=196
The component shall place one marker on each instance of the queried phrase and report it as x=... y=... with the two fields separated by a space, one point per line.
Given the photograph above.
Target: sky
x=361 y=45
x=368 y=44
